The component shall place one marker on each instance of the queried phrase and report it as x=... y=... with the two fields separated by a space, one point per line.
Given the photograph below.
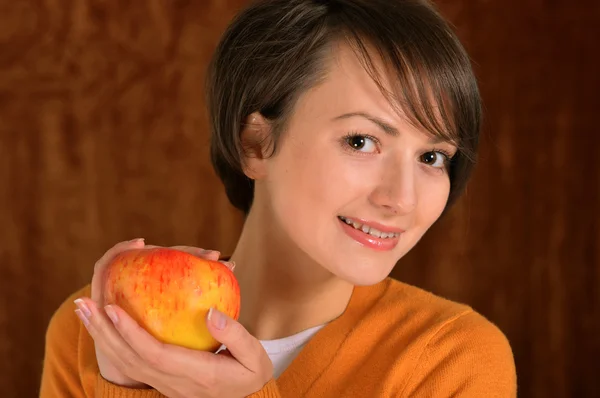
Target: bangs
x=431 y=84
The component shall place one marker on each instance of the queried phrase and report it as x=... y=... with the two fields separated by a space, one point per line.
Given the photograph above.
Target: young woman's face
x=353 y=184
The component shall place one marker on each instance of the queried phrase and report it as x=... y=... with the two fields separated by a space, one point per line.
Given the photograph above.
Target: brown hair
x=273 y=51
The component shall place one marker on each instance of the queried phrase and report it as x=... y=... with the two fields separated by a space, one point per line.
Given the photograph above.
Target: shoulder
x=64 y=326
x=64 y=319
x=457 y=348
x=409 y=304
x=441 y=321
x=61 y=371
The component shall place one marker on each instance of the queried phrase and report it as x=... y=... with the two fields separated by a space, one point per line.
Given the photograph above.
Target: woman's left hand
x=174 y=371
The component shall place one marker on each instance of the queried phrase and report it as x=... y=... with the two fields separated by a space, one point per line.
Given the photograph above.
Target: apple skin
x=168 y=292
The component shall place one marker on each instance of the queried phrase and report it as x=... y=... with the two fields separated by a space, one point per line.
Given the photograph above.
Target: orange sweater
x=393 y=340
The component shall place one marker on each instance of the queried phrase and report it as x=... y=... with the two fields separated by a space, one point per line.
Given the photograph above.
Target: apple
x=168 y=292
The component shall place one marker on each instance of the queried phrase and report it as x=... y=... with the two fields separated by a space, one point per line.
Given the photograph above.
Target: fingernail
x=217 y=318
x=230 y=265
x=112 y=314
x=209 y=252
x=83 y=308
x=82 y=317
x=136 y=240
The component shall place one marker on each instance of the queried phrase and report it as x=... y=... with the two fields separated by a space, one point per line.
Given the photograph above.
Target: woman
x=343 y=130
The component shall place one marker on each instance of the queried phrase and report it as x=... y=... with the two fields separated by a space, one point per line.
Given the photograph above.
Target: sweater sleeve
x=270 y=390
x=106 y=389
x=468 y=357
x=60 y=372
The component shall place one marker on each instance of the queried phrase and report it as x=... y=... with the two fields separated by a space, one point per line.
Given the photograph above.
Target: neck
x=283 y=290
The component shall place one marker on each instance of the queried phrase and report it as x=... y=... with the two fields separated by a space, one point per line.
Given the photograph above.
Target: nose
x=396 y=191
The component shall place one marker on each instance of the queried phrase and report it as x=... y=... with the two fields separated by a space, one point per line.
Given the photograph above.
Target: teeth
x=369 y=230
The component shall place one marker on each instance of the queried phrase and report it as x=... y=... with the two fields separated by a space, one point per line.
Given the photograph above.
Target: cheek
x=308 y=188
x=305 y=177
x=296 y=183
x=433 y=198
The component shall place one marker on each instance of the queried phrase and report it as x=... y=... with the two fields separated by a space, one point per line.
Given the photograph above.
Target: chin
x=364 y=279
x=363 y=272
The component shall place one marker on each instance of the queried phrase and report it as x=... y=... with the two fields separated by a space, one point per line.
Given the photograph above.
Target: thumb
x=244 y=347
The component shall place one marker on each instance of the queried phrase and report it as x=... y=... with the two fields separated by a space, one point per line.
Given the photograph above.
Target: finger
x=229 y=264
x=143 y=343
x=195 y=251
x=166 y=358
x=198 y=252
x=244 y=347
x=109 y=341
x=101 y=264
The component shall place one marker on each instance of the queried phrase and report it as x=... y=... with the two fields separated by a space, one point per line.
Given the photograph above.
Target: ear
x=257 y=145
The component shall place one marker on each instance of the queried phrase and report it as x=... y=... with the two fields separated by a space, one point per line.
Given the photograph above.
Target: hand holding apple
x=108 y=370
x=130 y=356
x=179 y=372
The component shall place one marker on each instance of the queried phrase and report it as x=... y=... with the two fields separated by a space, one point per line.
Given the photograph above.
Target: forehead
x=349 y=86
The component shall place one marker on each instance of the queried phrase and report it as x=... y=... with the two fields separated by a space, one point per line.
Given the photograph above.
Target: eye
x=436 y=159
x=362 y=143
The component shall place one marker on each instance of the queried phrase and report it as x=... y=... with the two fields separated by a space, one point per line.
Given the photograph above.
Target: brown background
x=103 y=138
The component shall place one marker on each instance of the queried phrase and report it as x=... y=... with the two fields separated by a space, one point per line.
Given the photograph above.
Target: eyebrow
x=386 y=127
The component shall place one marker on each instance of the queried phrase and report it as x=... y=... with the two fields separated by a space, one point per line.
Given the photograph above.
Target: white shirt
x=283 y=351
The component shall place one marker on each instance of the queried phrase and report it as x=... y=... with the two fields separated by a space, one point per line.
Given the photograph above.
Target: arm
x=468 y=357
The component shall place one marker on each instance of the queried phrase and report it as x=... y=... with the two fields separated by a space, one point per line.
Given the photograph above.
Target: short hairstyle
x=275 y=50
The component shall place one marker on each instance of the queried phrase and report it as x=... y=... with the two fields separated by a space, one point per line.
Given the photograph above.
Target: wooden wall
x=103 y=137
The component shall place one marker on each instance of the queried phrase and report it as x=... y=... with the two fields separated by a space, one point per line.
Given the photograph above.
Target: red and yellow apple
x=168 y=292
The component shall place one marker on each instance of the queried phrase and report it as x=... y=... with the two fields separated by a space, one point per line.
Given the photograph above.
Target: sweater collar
x=318 y=354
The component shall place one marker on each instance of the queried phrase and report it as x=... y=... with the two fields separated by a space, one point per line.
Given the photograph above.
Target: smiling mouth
x=368 y=230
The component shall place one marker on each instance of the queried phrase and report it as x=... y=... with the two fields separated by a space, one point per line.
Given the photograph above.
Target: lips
x=370 y=234
x=378 y=231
